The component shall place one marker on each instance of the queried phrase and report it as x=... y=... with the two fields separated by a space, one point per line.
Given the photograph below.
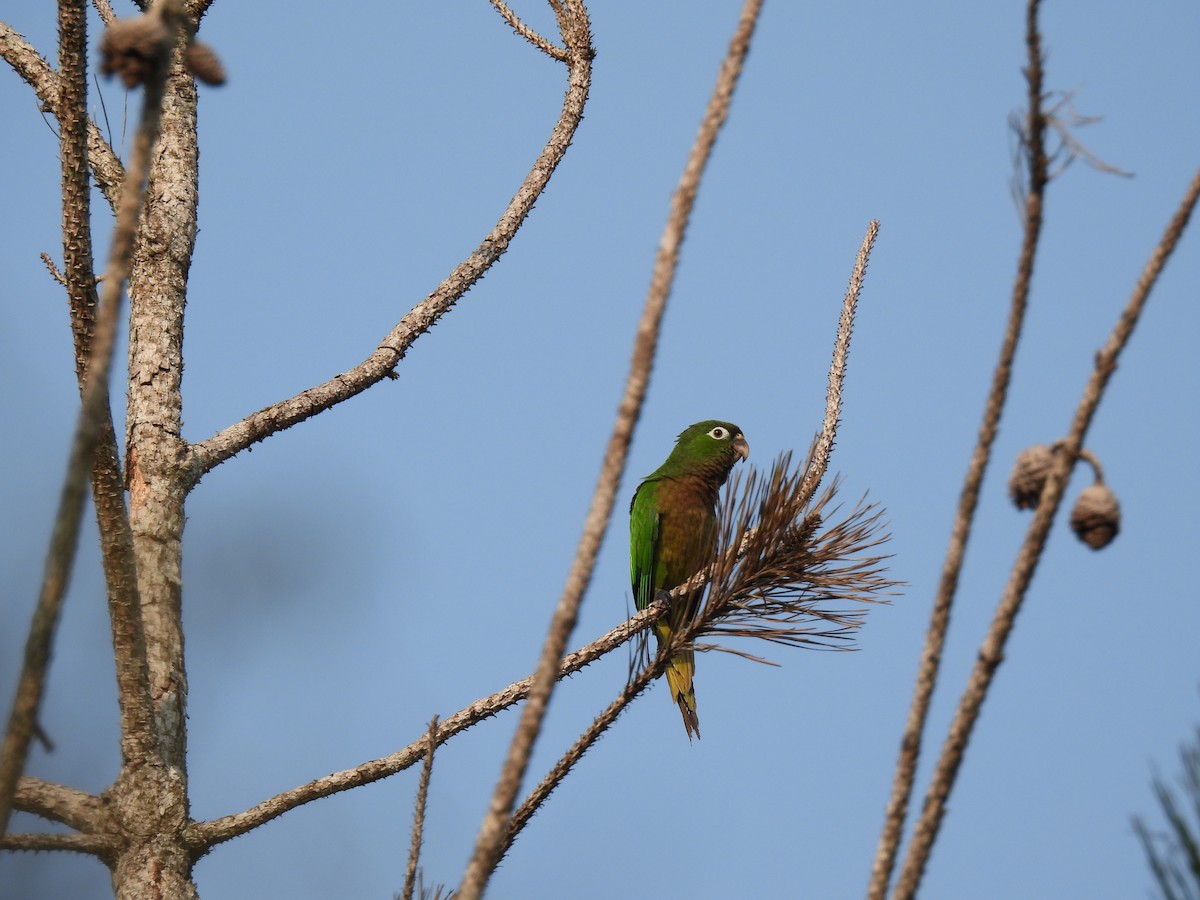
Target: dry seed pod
x=202 y=62
x=1096 y=518
x=132 y=48
x=1029 y=475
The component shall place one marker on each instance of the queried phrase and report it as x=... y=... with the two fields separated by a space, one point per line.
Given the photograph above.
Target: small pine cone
x=1096 y=518
x=1029 y=475
x=132 y=48
x=202 y=62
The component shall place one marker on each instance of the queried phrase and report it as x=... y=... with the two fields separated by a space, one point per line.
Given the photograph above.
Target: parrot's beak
x=740 y=447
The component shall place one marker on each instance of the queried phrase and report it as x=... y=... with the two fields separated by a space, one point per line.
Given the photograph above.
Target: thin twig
x=53 y=270
x=104 y=8
x=102 y=845
x=991 y=653
x=533 y=802
x=392 y=349
x=837 y=371
x=414 y=850
x=1094 y=461
x=939 y=621
x=495 y=826
x=1064 y=119
x=64 y=539
x=551 y=50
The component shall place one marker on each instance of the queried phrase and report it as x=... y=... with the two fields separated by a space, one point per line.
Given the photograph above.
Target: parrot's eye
x=718 y=433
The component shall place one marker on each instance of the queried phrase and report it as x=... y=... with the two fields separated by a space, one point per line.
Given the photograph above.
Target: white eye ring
x=718 y=433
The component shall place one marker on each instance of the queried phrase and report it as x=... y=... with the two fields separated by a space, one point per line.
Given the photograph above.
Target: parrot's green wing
x=645 y=530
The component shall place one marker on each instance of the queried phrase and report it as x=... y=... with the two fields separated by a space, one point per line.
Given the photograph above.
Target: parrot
x=673 y=535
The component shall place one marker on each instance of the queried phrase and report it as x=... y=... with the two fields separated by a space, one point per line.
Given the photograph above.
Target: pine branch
x=991 y=652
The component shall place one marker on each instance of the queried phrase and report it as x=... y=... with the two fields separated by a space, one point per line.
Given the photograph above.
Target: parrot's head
x=709 y=444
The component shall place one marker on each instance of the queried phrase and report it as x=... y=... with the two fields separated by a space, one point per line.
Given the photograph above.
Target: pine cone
x=1029 y=475
x=1096 y=518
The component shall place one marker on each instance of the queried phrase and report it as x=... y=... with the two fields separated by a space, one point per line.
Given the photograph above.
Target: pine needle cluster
x=783 y=574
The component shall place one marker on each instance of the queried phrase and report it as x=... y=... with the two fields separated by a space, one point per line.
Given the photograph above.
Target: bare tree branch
x=495 y=826
x=105 y=10
x=59 y=803
x=39 y=75
x=414 y=850
x=632 y=689
x=108 y=489
x=392 y=349
x=197 y=9
x=64 y=539
x=101 y=845
x=991 y=653
x=551 y=50
x=1033 y=139
x=53 y=270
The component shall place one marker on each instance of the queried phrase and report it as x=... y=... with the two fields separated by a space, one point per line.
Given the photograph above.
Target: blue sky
x=400 y=556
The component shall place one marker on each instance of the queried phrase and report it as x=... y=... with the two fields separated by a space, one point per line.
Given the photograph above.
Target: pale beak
x=740 y=447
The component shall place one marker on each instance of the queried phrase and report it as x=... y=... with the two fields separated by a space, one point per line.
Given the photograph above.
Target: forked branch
x=551 y=50
x=395 y=344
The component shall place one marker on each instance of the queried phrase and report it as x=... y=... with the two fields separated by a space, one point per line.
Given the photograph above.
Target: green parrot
x=673 y=535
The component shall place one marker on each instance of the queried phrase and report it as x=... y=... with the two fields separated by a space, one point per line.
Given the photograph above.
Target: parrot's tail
x=679 y=678
x=679 y=673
